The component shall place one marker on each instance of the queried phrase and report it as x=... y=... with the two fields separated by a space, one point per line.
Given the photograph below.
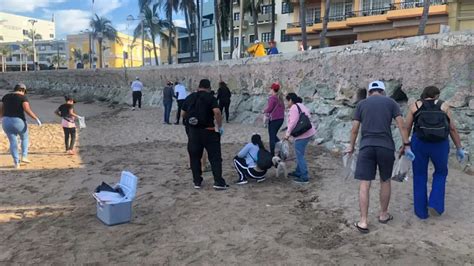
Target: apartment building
x=116 y=54
x=15 y=28
x=21 y=55
x=367 y=20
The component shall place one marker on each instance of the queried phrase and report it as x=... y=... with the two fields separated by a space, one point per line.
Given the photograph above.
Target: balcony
x=245 y=24
x=265 y=18
x=413 y=10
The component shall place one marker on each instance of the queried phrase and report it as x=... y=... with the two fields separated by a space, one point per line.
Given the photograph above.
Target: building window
x=375 y=7
x=51 y=36
x=266 y=9
x=286 y=8
x=236 y=40
x=237 y=16
x=313 y=15
x=285 y=38
x=252 y=38
x=208 y=45
x=25 y=32
x=339 y=9
x=42 y=48
x=266 y=36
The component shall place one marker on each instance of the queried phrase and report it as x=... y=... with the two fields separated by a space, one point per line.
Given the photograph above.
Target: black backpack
x=431 y=123
x=195 y=115
x=264 y=159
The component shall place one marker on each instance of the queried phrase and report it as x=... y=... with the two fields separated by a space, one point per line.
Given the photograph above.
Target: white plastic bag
x=402 y=169
x=282 y=149
x=349 y=161
x=82 y=122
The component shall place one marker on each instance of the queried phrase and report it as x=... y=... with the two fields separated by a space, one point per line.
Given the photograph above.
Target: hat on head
x=376 y=85
x=169 y=82
x=256 y=41
x=204 y=84
x=137 y=78
x=275 y=87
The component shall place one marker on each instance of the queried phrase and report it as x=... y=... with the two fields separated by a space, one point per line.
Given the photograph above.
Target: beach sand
x=47 y=213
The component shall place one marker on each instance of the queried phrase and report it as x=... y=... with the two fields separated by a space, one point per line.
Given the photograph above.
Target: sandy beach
x=47 y=213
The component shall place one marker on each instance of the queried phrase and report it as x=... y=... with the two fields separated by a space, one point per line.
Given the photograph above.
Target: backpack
x=264 y=159
x=195 y=115
x=431 y=123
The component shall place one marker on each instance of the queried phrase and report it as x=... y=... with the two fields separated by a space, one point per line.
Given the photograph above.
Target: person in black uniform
x=200 y=109
x=223 y=96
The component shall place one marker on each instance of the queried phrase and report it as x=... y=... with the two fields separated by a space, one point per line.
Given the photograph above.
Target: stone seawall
x=329 y=80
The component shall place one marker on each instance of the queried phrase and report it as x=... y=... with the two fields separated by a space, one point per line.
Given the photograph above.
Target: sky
x=72 y=16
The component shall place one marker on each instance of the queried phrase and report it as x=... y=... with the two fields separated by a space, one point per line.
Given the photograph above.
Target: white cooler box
x=112 y=208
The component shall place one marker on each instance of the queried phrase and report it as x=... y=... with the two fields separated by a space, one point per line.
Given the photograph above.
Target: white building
x=14 y=28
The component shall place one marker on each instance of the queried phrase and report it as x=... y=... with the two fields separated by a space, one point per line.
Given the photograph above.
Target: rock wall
x=329 y=80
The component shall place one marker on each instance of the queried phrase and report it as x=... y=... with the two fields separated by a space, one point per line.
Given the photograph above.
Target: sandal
x=361 y=229
x=390 y=217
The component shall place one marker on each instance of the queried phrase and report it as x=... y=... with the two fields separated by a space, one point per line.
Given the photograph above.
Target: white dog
x=281 y=154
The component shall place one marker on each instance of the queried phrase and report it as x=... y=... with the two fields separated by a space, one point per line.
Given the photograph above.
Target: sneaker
x=16 y=166
x=25 y=160
x=133 y=108
x=197 y=186
x=241 y=182
x=221 y=187
x=300 y=181
x=260 y=180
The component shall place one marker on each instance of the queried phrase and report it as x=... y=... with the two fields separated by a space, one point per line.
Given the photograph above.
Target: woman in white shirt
x=245 y=162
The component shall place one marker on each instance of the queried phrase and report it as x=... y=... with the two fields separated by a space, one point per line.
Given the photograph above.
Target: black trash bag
x=106 y=187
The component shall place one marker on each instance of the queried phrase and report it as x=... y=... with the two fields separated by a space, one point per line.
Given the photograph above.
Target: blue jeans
x=168 y=106
x=14 y=126
x=438 y=153
x=273 y=127
x=301 y=167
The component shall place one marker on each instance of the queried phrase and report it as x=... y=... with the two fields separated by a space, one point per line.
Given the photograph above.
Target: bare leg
x=364 y=189
x=385 y=191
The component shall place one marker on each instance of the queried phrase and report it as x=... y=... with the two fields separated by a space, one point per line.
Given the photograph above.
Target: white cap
x=256 y=41
x=137 y=78
x=376 y=85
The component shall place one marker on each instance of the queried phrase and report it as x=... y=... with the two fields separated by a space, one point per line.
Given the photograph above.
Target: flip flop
x=390 y=217
x=361 y=229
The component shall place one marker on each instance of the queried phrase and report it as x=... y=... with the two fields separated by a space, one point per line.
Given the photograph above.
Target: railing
x=371 y=12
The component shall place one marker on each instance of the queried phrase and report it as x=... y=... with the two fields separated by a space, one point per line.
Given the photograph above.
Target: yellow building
x=367 y=20
x=461 y=14
x=14 y=28
x=164 y=50
x=122 y=53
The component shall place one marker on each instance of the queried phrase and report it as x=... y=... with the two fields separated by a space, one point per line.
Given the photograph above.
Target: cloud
x=27 y=5
x=179 y=23
x=103 y=7
x=71 y=21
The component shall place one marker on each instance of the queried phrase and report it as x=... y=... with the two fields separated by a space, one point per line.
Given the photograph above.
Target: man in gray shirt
x=376 y=149
x=168 y=93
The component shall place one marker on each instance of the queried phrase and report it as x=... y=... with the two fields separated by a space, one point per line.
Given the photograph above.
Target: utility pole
x=33 y=33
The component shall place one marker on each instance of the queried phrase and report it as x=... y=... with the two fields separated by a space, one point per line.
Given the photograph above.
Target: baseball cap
x=256 y=41
x=137 y=78
x=275 y=87
x=376 y=85
x=204 y=84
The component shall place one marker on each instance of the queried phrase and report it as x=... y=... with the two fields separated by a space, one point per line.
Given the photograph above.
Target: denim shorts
x=370 y=158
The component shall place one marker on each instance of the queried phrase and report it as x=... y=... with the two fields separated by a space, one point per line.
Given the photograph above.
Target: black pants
x=224 y=105
x=198 y=140
x=137 y=96
x=244 y=171
x=273 y=127
x=178 y=114
x=69 y=137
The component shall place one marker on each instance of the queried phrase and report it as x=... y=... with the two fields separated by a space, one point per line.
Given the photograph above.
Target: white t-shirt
x=181 y=90
x=137 y=85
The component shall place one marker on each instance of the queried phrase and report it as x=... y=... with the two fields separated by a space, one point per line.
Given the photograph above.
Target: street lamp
x=142 y=18
x=33 y=33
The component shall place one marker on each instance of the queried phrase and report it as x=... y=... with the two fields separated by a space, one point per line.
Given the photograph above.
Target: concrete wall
x=328 y=79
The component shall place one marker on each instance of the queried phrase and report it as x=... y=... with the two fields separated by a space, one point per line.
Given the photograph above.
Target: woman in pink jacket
x=275 y=111
x=300 y=175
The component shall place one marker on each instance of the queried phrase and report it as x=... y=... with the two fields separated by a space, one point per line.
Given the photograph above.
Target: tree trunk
x=272 y=34
x=188 y=27
x=21 y=62
x=231 y=27
x=241 y=24
x=217 y=20
x=153 y=37
x=322 y=37
x=99 y=40
x=190 y=32
x=170 y=39
x=304 y=37
x=197 y=29
x=255 y=20
x=424 y=17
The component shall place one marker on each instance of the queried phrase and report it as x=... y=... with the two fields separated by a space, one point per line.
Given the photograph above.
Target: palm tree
x=188 y=7
x=153 y=27
x=304 y=37
x=170 y=6
x=272 y=31
x=85 y=58
x=25 y=49
x=197 y=30
x=322 y=37
x=132 y=46
x=253 y=6
x=231 y=26
x=224 y=25
x=37 y=35
x=58 y=61
x=4 y=52
x=424 y=17
x=77 y=55
x=149 y=48
x=102 y=29
x=217 y=20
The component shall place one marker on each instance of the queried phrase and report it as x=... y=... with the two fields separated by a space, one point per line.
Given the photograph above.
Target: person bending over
x=245 y=162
